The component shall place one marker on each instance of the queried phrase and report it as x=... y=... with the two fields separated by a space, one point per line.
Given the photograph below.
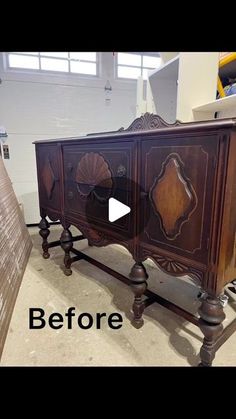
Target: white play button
x=116 y=210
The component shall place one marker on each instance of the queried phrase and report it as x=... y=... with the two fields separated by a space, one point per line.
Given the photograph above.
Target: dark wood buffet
x=179 y=181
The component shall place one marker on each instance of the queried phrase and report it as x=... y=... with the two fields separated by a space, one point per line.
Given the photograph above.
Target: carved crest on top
x=150 y=121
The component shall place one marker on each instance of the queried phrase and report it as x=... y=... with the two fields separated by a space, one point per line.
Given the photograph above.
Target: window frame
x=41 y=71
x=142 y=54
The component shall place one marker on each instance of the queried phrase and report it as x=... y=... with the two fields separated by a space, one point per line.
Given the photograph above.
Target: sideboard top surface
x=150 y=124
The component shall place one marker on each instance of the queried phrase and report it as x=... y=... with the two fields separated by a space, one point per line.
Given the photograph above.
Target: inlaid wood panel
x=48 y=176
x=178 y=177
x=172 y=186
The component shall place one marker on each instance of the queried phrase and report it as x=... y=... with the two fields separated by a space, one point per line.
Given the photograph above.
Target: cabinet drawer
x=178 y=178
x=93 y=173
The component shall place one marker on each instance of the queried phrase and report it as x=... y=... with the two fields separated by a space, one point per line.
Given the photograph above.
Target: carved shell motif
x=170 y=265
x=175 y=268
x=93 y=175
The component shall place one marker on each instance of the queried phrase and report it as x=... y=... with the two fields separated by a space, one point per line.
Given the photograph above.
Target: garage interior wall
x=38 y=106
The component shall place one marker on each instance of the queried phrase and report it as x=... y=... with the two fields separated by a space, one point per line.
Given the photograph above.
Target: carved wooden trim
x=170 y=265
x=196 y=275
x=99 y=239
x=149 y=121
x=173 y=267
x=95 y=237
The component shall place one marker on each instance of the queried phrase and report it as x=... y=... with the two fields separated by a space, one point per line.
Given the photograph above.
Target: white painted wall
x=34 y=106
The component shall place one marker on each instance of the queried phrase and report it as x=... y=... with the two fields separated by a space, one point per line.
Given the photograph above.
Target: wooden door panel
x=178 y=177
x=94 y=173
x=49 y=176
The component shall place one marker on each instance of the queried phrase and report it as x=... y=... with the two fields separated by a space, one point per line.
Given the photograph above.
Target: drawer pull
x=144 y=195
x=121 y=171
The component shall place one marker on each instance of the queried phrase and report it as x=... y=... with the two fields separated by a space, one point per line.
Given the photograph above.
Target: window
x=131 y=66
x=66 y=62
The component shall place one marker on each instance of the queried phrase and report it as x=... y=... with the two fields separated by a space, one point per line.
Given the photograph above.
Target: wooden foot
x=44 y=233
x=212 y=316
x=67 y=244
x=138 y=277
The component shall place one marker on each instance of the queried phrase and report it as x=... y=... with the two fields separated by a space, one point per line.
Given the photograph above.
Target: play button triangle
x=116 y=210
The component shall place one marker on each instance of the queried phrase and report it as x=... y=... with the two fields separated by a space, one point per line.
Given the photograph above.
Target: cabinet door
x=178 y=179
x=48 y=177
x=94 y=173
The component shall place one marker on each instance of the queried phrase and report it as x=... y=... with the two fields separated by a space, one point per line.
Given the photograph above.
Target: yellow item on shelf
x=227 y=68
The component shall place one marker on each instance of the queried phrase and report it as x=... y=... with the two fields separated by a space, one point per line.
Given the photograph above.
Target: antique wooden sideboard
x=179 y=181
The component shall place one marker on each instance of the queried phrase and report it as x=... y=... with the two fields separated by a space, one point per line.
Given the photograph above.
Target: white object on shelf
x=184 y=82
x=218 y=104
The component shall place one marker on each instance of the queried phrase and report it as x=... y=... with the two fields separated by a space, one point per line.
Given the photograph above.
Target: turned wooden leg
x=67 y=244
x=44 y=233
x=138 y=277
x=212 y=316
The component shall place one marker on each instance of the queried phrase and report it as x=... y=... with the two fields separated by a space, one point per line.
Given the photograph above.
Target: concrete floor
x=165 y=339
